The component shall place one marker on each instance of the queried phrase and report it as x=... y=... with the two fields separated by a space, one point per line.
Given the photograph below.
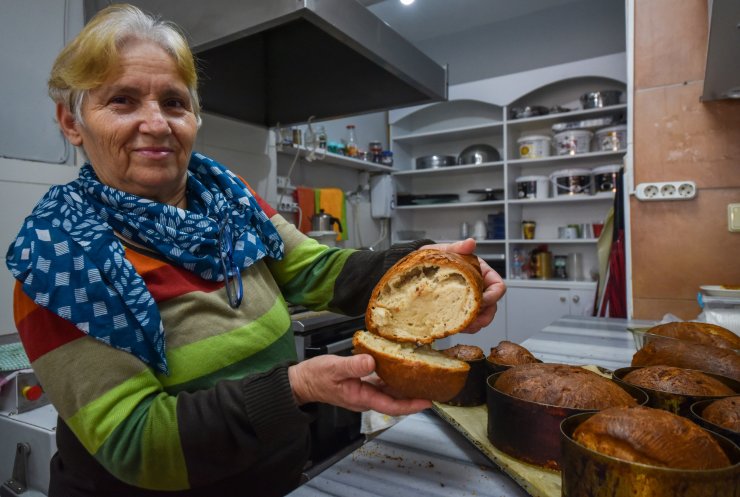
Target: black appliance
x=335 y=431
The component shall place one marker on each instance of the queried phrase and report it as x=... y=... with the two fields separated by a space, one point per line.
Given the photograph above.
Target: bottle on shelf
x=517 y=265
x=351 y=146
x=321 y=137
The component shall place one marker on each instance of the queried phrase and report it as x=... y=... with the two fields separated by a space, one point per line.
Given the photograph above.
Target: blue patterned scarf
x=70 y=261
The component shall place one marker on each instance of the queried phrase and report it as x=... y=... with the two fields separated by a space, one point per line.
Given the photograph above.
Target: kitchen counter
x=423 y=455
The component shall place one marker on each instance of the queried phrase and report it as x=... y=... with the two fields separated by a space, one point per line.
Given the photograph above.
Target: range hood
x=280 y=61
x=722 y=74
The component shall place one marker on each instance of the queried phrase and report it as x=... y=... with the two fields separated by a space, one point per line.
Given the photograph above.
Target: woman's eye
x=175 y=103
x=119 y=100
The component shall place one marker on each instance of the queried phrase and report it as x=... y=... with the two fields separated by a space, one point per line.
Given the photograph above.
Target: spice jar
x=386 y=158
x=376 y=151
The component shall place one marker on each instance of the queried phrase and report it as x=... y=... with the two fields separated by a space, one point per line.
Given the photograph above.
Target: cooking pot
x=598 y=99
x=435 y=161
x=321 y=221
x=478 y=154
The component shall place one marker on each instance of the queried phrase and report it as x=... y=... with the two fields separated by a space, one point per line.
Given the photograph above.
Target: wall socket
x=669 y=190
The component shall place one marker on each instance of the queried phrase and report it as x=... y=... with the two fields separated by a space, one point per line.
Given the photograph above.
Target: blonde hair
x=87 y=61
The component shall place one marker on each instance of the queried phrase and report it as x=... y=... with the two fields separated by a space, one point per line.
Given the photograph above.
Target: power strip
x=669 y=190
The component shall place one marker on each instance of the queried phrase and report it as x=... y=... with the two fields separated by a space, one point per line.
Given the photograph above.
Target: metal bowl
x=598 y=99
x=696 y=414
x=435 y=161
x=478 y=154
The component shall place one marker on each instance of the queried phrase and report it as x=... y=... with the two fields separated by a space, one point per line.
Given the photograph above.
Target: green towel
x=13 y=357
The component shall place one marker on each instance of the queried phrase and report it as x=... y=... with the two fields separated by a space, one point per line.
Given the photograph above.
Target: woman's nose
x=154 y=120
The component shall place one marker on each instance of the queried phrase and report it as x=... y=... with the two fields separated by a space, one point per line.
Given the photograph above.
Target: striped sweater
x=224 y=422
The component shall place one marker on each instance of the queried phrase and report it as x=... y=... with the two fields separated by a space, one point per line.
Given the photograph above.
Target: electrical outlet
x=669 y=190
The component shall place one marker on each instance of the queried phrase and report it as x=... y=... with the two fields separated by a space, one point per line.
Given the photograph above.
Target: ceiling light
x=407 y=2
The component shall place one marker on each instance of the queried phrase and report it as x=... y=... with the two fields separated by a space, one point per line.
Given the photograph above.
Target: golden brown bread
x=414 y=373
x=677 y=380
x=683 y=354
x=467 y=353
x=510 y=354
x=703 y=333
x=651 y=436
x=429 y=294
x=473 y=393
x=562 y=385
x=724 y=412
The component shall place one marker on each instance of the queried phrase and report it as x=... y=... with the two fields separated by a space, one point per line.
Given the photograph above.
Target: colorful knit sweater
x=224 y=422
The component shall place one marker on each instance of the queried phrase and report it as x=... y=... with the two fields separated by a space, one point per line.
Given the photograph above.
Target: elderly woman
x=151 y=293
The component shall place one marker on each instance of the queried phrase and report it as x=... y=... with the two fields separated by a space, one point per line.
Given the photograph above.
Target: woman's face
x=139 y=126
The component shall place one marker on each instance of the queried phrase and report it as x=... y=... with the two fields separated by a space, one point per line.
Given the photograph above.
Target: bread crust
x=651 y=436
x=508 y=353
x=414 y=377
x=417 y=269
x=562 y=385
x=724 y=412
x=683 y=354
x=681 y=381
x=704 y=333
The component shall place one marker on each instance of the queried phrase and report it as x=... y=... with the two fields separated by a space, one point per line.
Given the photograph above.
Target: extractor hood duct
x=722 y=74
x=281 y=61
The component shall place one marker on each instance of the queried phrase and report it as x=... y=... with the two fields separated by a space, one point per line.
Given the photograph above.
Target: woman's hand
x=493 y=284
x=347 y=382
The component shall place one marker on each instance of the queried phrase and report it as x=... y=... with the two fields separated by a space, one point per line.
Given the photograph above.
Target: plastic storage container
x=534 y=146
x=572 y=182
x=532 y=187
x=611 y=139
x=605 y=178
x=572 y=142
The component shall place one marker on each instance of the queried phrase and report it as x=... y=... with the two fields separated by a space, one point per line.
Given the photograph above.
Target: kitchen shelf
x=447 y=170
x=554 y=241
x=337 y=160
x=551 y=283
x=462 y=132
x=560 y=160
x=564 y=198
x=453 y=205
x=447 y=128
x=574 y=115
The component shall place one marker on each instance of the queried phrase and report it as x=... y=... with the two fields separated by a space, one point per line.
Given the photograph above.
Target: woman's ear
x=68 y=124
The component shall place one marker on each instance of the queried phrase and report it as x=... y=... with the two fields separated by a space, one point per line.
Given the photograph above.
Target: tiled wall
x=678 y=246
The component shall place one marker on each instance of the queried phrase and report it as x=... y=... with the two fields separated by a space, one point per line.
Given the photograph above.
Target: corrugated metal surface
x=421 y=455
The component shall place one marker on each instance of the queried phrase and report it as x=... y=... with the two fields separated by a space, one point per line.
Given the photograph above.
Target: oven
x=334 y=431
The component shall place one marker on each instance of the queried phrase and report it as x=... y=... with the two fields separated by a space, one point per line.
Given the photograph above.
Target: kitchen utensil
x=530 y=431
x=605 y=178
x=478 y=154
x=479 y=230
x=572 y=142
x=603 y=98
x=676 y=403
x=585 y=230
x=588 y=473
x=528 y=228
x=426 y=199
x=490 y=193
x=589 y=124
x=532 y=187
x=534 y=146
x=435 y=161
x=572 y=182
x=574 y=267
x=321 y=221
x=528 y=111
x=611 y=139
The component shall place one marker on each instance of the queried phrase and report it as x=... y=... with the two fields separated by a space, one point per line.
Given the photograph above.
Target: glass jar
x=376 y=151
x=351 y=146
x=386 y=158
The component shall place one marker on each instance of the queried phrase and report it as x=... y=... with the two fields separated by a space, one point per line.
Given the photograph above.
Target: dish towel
x=305 y=198
x=332 y=201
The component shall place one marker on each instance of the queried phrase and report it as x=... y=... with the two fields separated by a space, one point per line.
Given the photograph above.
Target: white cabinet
x=529 y=309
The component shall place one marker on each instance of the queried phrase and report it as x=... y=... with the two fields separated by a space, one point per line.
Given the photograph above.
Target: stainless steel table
x=423 y=455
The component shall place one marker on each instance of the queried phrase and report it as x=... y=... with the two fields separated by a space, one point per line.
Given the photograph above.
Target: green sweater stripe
x=139 y=451
x=220 y=351
x=281 y=350
x=312 y=284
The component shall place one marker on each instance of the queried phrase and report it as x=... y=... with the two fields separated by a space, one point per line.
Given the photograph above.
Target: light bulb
x=407 y=2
